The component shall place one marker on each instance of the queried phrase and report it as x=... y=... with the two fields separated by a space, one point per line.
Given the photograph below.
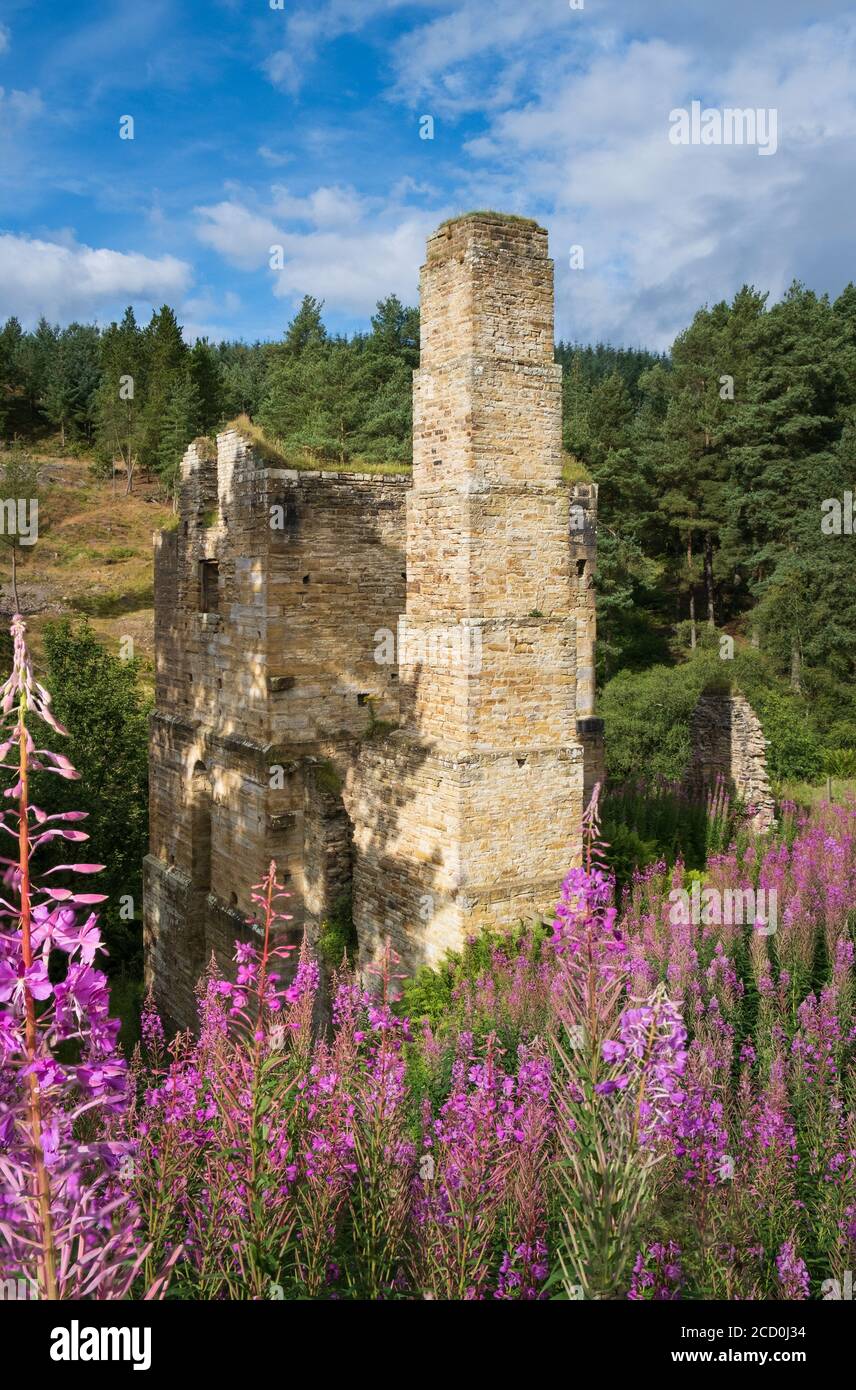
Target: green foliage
x=839 y=762
x=306 y=329
x=97 y=698
x=166 y=356
x=205 y=375
x=429 y=994
x=72 y=380
x=337 y=937
x=647 y=716
x=794 y=753
x=642 y=824
x=627 y=851
x=19 y=482
x=243 y=374
x=182 y=418
x=328 y=779
x=121 y=397
x=342 y=400
x=712 y=463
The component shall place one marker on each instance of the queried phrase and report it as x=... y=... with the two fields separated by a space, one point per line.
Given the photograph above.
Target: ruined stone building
x=728 y=746
x=383 y=682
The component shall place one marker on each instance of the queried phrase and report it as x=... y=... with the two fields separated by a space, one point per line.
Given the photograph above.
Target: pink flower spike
x=75 y=869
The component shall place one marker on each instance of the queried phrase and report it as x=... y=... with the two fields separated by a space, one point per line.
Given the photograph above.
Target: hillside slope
x=93 y=557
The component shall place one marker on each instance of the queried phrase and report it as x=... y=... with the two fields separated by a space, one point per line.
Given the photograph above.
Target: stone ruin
x=385 y=683
x=728 y=745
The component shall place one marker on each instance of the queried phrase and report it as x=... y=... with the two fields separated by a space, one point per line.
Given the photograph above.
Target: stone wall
x=385 y=683
x=275 y=683
x=728 y=744
x=583 y=562
x=471 y=812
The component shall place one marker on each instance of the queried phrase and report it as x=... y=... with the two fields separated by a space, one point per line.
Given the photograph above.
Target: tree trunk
x=693 y=634
x=708 y=578
x=796 y=665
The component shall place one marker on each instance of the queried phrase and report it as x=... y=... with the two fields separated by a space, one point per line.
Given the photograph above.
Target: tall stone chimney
x=471 y=811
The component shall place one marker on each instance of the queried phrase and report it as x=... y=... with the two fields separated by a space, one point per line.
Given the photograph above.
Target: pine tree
x=206 y=374
x=37 y=351
x=11 y=336
x=72 y=379
x=180 y=425
x=395 y=332
x=389 y=355
x=244 y=372
x=786 y=460
x=306 y=329
x=120 y=406
x=166 y=355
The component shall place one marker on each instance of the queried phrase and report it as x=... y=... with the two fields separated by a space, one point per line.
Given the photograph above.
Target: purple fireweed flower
x=66 y=1221
x=792 y=1273
x=657 y=1274
x=586 y=921
x=650 y=1056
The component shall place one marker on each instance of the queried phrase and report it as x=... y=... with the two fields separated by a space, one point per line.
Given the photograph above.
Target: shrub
x=794 y=752
x=337 y=938
x=647 y=716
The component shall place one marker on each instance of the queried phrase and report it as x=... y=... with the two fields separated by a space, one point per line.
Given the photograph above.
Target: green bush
x=794 y=753
x=839 y=762
x=428 y=993
x=337 y=938
x=627 y=851
x=98 y=698
x=647 y=716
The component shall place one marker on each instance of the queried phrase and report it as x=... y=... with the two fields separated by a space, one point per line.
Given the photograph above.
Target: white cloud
x=201 y=316
x=17 y=108
x=441 y=63
x=274 y=157
x=242 y=237
x=335 y=206
x=63 y=281
x=308 y=28
x=666 y=229
x=4 y=38
x=352 y=269
x=576 y=133
x=345 y=249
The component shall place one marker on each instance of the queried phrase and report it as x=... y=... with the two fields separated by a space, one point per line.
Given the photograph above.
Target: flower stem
x=43 y=1191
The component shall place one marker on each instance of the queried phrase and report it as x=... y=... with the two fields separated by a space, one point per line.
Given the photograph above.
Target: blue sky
x=299 y=127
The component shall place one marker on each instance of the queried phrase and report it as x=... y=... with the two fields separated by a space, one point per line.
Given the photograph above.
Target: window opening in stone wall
x=201 y=828
x=209 y=586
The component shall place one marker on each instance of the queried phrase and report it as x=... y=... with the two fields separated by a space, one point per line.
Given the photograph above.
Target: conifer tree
x=306 y=329
x=206 y=375
x=166 y=355
x=121 y=399
x=72 y=380
x=179 y=426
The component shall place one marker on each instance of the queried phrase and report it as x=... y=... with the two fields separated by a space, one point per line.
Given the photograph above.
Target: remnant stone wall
x=471 y=812
x=728 y=743
x=583 y=559
x=268 y=596
x=384 y=683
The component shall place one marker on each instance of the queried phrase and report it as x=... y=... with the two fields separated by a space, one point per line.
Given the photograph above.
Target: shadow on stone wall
x=728 y=744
